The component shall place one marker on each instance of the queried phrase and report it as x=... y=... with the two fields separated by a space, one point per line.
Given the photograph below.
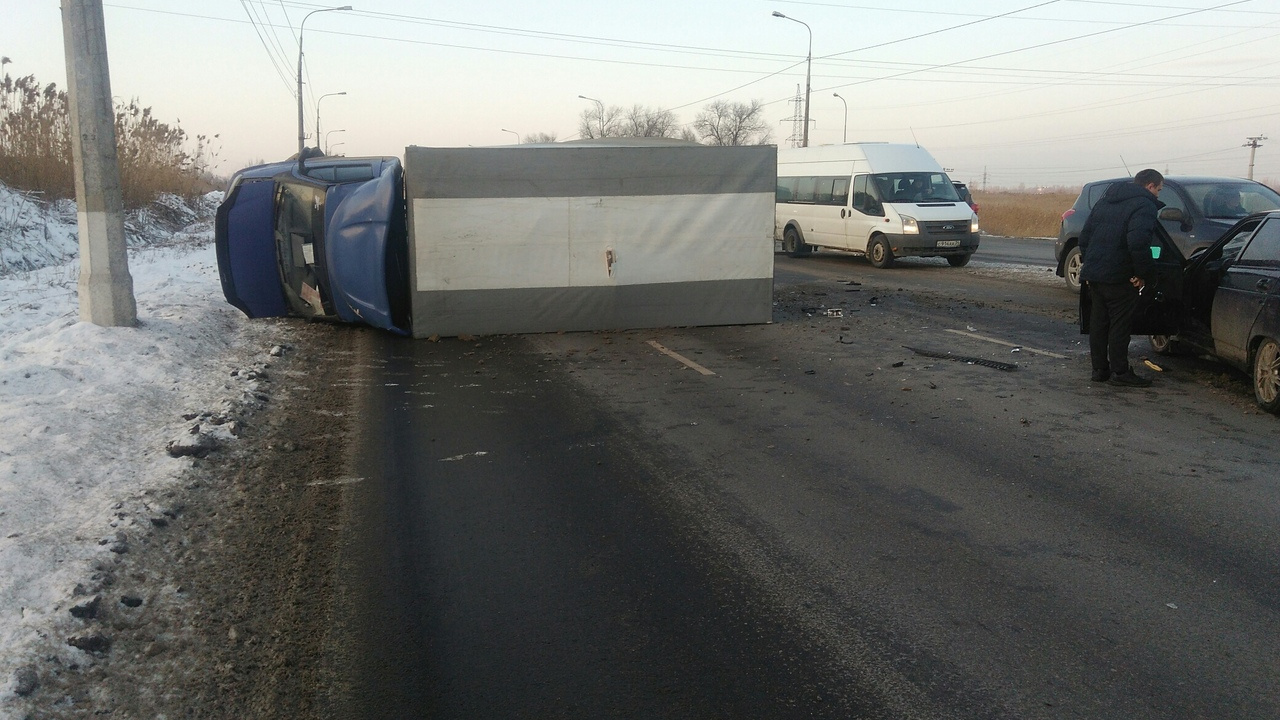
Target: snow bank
x=89 y=411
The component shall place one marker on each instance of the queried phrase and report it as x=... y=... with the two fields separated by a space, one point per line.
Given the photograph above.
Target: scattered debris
x=900 y=363
x=1152 y=365
x=960 y=358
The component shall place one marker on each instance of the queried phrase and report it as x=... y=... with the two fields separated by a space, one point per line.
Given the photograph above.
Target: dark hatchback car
x=1224 y=302
x=1197 y=210
x=963 y=191
x=328 y=244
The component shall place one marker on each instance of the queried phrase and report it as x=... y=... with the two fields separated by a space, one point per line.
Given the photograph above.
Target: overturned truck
x=536 y=238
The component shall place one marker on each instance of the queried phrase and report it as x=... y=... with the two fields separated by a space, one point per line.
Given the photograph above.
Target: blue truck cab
x=327 y=241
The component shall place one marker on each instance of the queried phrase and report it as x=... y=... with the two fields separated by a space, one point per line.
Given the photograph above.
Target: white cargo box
x=589 y=236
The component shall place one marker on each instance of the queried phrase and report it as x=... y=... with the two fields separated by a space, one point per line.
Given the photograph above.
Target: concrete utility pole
x=105 y=285
x=1253 y=145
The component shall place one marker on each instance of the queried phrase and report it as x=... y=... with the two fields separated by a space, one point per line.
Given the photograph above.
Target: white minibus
x=882 y=200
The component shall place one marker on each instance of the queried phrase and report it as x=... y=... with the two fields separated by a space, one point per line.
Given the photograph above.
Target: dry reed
x=35 y=147
x=1021 y=214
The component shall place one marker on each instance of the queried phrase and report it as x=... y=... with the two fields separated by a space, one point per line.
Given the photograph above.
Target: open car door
x=1160 y=302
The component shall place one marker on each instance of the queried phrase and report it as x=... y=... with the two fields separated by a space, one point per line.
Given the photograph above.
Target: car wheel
x=792 y=244
x=1071 y=269
x=1164 y=345
x=879 y=253
x=959 y=260
x=1266 y=376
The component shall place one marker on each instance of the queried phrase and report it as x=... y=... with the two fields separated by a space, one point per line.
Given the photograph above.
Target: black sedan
x=1228 y=305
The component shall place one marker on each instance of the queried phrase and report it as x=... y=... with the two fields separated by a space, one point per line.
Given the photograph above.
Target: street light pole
x=302 y=133
x=846 y=117
x=513 y=132
x=344 y=92
x=807 y=72
x=601 y=106
x=326 y=139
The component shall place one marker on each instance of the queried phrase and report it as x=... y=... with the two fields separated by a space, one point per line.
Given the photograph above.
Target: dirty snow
x=88 y=412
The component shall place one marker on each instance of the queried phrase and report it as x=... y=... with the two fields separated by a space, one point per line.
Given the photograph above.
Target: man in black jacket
x=1115 y=247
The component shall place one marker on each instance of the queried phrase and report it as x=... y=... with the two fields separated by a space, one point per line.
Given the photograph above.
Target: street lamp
x=344 y=92
x=846 y=117
x=326 y=139
x=302 y=133
x=601 y=105
x=807 y=68
x=336 y=145
x=513 y=132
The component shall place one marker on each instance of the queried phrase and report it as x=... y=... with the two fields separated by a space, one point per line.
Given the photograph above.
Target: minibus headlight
x=909 y=225
x=973 y=223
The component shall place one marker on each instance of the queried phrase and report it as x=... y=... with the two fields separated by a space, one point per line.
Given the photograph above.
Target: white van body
x=882 y=200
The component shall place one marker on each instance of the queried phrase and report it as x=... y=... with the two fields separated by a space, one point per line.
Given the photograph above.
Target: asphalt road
x=810 y=518
x=1023 y=251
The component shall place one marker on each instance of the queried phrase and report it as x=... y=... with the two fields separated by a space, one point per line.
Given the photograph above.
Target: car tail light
x=1068 y=213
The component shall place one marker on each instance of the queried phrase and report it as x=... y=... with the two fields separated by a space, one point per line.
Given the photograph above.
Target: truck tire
x=959 y=260
x=879 y=253
x=1071 y=269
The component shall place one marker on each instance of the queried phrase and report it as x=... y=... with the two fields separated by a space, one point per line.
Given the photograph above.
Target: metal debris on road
x=961 y=358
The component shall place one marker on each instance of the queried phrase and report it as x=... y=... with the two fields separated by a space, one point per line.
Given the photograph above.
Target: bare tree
x=598 y=121
x=540 y=137
x=641 y=121
x=733 y=123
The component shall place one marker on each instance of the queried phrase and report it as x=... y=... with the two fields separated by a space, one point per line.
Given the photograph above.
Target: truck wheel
x=879 y=253
x=793 y=245
x=1266 y=376
x=1164 y=345
x=1071 y=269
x=959 y=260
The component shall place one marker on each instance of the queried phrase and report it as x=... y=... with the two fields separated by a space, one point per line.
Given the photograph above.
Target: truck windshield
x=915 y=187
x=299 y=230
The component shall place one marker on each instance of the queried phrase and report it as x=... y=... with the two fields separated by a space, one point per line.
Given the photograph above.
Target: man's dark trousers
x=1110 y=319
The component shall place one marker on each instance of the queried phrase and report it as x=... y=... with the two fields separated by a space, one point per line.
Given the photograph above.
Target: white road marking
x=671 y=353
x=480 y=453
x=1008 y=344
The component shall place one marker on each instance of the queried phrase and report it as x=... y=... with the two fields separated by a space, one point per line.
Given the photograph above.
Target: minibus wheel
x=879 y=252
x=793 y=245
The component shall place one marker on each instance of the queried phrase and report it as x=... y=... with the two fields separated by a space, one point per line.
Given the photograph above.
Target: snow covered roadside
x=89 y=415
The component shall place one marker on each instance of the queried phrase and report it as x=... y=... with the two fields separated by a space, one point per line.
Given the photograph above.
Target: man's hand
x=1136 y=282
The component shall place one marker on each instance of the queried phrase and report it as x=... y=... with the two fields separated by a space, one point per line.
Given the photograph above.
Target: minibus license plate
x=948 y=243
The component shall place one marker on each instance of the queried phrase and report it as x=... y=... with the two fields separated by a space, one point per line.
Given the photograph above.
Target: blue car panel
x=245 y=240
x=364 y=230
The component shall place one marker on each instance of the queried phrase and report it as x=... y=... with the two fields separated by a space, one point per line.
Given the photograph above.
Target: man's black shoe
x=1130 y=379
x=1100 y=375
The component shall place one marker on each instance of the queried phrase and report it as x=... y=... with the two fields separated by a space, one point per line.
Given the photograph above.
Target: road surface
x=818 y=517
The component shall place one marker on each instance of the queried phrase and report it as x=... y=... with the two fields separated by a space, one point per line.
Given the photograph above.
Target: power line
x=261 y=39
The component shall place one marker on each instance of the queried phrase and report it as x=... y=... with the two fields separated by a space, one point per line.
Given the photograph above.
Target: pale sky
x=1025 y=92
